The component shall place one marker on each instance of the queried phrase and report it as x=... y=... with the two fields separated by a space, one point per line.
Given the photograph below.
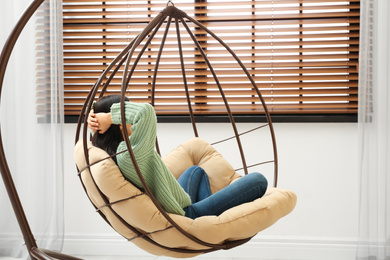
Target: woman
x=190 y=195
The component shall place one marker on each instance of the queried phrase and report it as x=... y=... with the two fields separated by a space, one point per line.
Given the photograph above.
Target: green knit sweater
x=159 y=179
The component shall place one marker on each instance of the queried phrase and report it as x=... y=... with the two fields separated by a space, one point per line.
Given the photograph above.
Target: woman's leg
x=245 y=189
x=196 y=183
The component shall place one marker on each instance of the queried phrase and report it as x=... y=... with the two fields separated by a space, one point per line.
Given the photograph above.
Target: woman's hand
x=93 y=124
x=99 y=122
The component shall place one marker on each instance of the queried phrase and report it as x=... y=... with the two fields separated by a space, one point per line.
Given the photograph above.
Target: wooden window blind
x=303 y=55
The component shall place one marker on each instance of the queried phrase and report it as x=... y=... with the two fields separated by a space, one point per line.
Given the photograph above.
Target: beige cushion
x=239 y=222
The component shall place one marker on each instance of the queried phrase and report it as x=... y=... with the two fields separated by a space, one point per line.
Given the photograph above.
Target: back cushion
x=197 y=151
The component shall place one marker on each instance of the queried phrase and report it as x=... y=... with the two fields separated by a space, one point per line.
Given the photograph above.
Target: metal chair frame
x=124 y=58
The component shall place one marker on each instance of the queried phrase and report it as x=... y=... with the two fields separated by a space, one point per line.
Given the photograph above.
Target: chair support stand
x=28 y=236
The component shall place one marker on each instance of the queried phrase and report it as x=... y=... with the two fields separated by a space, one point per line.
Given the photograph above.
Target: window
x=303 y=55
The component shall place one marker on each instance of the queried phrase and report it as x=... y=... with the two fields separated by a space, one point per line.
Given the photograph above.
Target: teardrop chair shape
x=136 y=214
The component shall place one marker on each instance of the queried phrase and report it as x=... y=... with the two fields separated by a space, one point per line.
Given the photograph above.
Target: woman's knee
x=193 y=168
x=258 y=179
x=190 y=171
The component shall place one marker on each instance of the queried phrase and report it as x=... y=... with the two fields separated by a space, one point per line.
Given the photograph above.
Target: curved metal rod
x=126 y=79
x=4 y=168
x=183 y=71
x=89 y=102
x=170 y=10
x=243 y=133
x=39 y=254
x=159 y=59
x=156 y=70
x=124 y=86
x=87 y=107
x=253 y=165
x=28 y=237
x=125 y=82
x=272 y=131
x=143 y=235
x=57 y=255
x=222 y=95
x=140 y=234
x=89 y=99
x=112 y=75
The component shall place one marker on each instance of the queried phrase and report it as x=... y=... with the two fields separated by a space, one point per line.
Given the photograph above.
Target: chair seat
x=138 y=210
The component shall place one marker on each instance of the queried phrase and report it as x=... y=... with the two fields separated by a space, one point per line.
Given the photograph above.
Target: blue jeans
x=196 y=183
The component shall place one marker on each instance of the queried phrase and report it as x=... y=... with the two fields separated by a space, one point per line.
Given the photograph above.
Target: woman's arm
x=142 y=117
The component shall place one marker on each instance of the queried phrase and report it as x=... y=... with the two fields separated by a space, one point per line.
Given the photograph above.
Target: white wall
x=318 y=161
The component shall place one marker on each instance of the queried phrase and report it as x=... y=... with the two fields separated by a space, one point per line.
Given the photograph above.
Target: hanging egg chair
x=135 y=213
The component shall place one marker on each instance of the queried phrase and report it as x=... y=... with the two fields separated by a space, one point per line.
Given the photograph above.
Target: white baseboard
x=260 y=248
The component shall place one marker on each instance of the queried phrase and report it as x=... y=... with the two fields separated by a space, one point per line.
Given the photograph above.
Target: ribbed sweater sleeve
x=159 y=179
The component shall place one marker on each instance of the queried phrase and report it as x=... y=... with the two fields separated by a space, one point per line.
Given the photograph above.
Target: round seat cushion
x=121 y=198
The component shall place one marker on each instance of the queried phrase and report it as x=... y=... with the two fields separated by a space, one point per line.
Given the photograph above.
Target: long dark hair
x=110 y=140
